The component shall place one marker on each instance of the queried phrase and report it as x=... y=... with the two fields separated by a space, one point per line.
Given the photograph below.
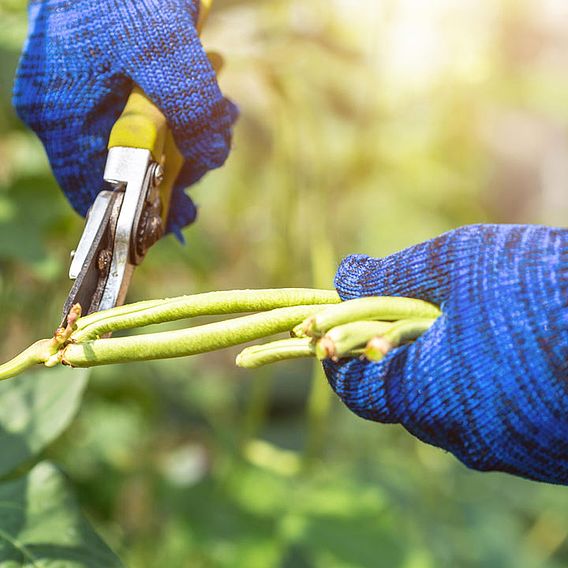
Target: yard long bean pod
x=259 y=355
x=210 y=303
x=369 y=339
x=371 y=308
x=184 y=342
x=294 y=348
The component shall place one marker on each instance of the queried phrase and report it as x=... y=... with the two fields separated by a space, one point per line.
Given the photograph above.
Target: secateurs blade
x=122 y=225
x=129 y=217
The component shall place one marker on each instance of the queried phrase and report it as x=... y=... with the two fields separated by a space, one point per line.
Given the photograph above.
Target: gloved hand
x=489 y=381
x=80 y=62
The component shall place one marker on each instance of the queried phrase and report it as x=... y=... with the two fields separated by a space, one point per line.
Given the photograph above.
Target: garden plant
x=341 y=149
x=320 y=324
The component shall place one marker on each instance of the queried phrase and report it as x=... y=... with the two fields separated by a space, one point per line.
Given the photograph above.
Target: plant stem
x=256 y=408
x=259 y=355
x=319 y=406
x=43 y=351
x=210 y=303
x=39 y=352
x=369 y=308
x=323 y=266
x=184 y=342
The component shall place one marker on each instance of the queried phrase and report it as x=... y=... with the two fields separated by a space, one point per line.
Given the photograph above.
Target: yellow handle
x=142 y=125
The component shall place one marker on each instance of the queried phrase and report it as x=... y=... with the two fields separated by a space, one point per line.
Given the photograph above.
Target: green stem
x=256 y=408
x=42 y=351
x=319 y=406
x=39 y=352
x=210 y=303
x=259 y=355
x=184 y=342
x=323 y=265
x=369 y=308
x=399 y=333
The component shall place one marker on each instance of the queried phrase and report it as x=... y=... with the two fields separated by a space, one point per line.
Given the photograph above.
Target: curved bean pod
x=369 y=308
x=184 y=342
x=210 y=303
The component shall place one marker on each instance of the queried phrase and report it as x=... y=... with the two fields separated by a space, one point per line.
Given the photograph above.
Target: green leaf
x=41 y=525
x=35 y=408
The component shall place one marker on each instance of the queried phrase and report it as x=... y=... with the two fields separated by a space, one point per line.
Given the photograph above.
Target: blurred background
x=366 y=126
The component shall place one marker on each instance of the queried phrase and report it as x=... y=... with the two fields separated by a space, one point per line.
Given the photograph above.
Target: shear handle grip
x=142 y=125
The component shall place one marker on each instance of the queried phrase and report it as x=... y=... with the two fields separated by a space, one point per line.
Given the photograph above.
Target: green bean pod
x=210 y=303
x=184 y=342
x=368 y=308
x=259 y=355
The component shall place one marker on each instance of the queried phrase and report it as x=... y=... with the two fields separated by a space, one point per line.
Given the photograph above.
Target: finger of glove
x=173 y=70
x=182 y=210
x=421 y=271
x=451 y=402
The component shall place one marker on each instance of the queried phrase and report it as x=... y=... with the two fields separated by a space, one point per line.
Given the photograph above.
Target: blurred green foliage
x=359 y=133
x=42 y=524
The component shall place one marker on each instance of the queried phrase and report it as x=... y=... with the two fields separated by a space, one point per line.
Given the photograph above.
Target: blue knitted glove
x=489 y=381
x=80 y=62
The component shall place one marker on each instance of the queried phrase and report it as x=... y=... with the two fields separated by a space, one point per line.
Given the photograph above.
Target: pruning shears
x=130 y=216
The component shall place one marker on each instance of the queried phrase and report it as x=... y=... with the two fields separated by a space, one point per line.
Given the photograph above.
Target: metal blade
x=127 y=168
x=96 y=260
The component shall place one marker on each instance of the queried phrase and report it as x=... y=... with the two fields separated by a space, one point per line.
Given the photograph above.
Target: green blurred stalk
x=286 y=251
x=257 y=407
x=315 y=182
x=319 y=401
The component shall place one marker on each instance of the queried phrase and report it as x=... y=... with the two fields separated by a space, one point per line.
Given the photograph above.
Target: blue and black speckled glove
x=80 y=62
x=489 y=381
